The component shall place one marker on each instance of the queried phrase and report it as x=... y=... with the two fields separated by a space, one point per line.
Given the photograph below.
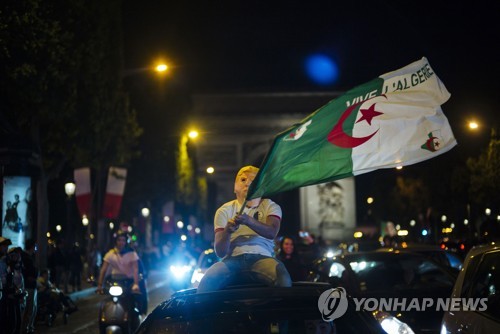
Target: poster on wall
x=16 y=208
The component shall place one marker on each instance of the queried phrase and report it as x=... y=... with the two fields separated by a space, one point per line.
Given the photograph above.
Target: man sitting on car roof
x=245 y=241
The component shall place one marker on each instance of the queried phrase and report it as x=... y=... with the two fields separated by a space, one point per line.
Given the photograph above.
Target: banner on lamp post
x=82 y=190
x=168 y=218
x=114 y=192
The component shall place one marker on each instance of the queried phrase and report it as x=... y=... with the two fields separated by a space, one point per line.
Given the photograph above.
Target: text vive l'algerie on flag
x=393 y=120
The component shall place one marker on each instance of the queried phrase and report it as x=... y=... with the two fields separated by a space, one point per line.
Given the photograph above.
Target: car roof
x=381 y=253
x=479 y=249
x=297 y=288
x=244 y=295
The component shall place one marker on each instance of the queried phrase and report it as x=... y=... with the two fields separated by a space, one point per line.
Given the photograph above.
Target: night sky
x=261 y=46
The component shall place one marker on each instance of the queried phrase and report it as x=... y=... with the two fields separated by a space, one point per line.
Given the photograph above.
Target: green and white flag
x=393 y=120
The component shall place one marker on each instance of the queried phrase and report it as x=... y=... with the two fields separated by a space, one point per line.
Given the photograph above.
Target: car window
x=470 y=271
x=401 y=273
x=486 y=283
x=377 y=275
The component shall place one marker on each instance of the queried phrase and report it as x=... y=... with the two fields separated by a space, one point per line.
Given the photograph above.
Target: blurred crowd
x=27 y=293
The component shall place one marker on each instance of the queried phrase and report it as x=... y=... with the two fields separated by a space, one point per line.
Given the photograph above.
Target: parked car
x=205 y=261
x=255 y=309
x=436 y=253
x=391 y=274
x=478 y=279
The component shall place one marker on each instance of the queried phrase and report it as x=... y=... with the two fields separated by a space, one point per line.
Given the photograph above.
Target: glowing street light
x=193 y=134
x=161 y=68
x=210 y=170
x=69 y=189
x=145 y=212
x=473 y=125
x=85 y=220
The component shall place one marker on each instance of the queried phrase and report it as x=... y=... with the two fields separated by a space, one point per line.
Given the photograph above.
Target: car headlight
x=333 y=252
x=115 y=291
x=179 y=271
x=391 y=324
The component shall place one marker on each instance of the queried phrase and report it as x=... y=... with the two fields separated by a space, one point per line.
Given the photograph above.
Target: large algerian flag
x=393 y=120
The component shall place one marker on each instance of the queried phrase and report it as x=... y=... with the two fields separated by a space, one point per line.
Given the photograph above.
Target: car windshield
x=400 y=273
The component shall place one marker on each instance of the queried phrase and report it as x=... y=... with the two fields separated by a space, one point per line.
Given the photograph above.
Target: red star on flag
x=368 y=114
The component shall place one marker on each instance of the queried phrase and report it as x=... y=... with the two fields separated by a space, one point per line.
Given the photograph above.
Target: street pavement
x=85 y=319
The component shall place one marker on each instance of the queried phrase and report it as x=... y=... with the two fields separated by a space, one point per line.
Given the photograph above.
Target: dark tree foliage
x=484 y=185
x=60 y=86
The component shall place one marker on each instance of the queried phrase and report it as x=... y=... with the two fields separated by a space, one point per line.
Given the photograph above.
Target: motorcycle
x=119 y=313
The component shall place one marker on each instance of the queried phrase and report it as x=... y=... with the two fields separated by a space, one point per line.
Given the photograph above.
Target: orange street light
x=193 y=134
x=161 y=68
x=473 y=125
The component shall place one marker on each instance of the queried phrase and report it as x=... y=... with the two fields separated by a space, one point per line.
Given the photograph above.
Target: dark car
x=256 y=309
x=438 y=254
x=479 y=280
x=383 y=276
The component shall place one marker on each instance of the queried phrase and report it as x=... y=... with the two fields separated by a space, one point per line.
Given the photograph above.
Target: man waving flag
x=393 y=120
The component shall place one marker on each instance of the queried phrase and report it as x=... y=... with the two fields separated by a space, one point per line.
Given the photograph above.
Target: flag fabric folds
x=393 y=120
x=82 y=190
x=114 y=192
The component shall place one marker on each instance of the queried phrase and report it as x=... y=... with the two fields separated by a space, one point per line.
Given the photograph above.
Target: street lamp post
x=146 y=214
x=69 y=189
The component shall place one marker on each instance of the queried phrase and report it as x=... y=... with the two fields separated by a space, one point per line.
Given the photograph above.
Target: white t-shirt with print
x=244 y=239
x=121 y=264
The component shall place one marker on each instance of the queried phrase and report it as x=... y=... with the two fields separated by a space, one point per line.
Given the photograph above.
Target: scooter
x=119 y=312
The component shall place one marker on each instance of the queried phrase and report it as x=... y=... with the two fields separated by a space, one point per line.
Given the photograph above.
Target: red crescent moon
x=339 y=138
x=430 y=144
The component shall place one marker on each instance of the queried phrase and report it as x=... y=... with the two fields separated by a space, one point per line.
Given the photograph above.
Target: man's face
x=242 y=183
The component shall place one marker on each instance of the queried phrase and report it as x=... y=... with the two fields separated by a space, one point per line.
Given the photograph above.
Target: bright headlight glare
x=115 y=291
x=197 y=276
x=179 y=271
x=393 y=326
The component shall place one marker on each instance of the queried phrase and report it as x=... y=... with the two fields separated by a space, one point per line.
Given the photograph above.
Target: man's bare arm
x=268 y=230
x=223 y=238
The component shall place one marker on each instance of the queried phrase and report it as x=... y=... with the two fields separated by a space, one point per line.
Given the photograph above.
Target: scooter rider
x=123 y=261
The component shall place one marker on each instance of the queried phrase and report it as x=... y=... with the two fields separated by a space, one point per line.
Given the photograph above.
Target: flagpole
x=242 y=207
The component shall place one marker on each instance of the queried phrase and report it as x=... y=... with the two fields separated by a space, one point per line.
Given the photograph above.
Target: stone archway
x=238 y=129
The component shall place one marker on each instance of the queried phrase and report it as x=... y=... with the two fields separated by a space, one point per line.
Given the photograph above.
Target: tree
x=484 y=188
x=60 y=85
x=410 y=197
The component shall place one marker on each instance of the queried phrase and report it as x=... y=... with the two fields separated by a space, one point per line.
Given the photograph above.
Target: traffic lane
x=85 y=319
